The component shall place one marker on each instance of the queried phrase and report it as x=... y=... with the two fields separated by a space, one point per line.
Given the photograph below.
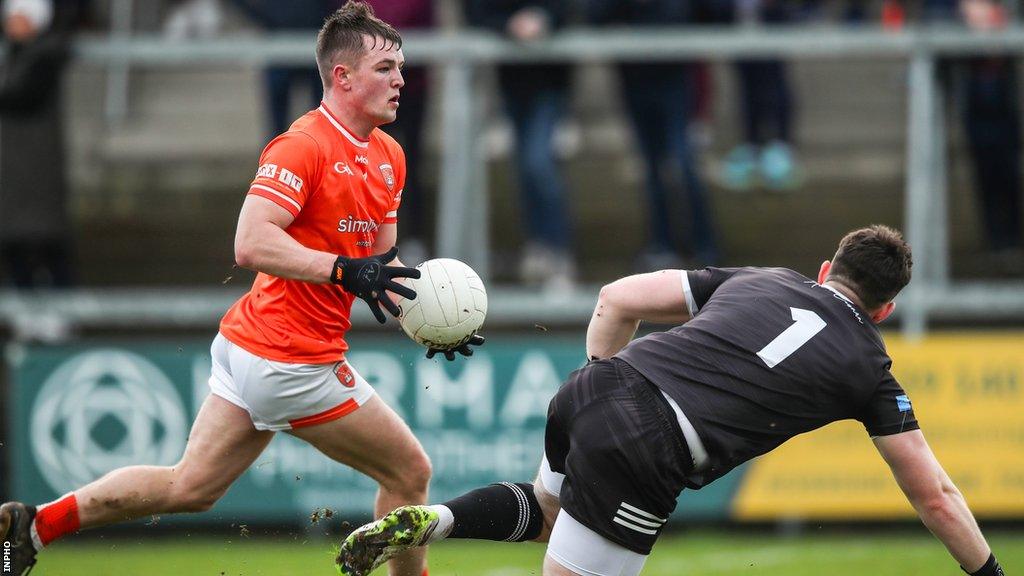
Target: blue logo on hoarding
x=903 y=403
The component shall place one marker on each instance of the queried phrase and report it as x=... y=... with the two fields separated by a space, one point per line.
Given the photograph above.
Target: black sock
x=503 y=512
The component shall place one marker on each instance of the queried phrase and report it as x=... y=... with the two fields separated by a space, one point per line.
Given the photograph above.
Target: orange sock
x=56 y=519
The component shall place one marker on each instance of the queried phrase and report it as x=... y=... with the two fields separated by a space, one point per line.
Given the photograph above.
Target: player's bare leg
x=549 y=505
x=222 y=444
x=553 y=568
x=376 y=442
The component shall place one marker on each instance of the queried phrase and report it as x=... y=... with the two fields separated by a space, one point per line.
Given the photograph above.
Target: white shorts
x=579 y=548
x=283 y=396
x=586 y=552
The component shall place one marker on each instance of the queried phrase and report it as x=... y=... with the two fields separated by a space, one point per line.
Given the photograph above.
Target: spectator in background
x=406 y=15
x=990 y=105
x=35 y=231
x=294 y=16
x=536 y=97
x=193 y=19
x=985 y=88
x=766 y=153
x=658 y=98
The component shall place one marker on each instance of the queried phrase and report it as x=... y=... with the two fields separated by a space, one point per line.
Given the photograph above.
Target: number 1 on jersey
x=806 y=325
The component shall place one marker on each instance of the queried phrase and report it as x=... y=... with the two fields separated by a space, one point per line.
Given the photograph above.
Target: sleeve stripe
x=278 y=194
x=691 y=304
x=392 y=214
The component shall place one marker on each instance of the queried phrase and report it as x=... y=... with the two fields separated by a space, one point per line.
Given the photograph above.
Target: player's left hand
x=370 y=279
x=464 y=348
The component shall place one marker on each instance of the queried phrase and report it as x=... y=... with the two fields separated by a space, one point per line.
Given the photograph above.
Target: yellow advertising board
x=967 y=390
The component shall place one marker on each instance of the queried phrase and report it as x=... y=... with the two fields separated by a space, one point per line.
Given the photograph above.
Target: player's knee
x=193 y=501
x=198 y=503
x=187 y=495
x=549 y=507
x=418 y=473
x=412 y=478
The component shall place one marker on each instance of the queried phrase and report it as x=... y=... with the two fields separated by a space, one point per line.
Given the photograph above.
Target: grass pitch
x=695 y=553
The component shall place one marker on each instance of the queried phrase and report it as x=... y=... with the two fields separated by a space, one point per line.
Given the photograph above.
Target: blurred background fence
x=165 y=132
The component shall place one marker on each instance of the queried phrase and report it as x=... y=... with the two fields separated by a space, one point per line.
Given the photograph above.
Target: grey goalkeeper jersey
x=767 y=355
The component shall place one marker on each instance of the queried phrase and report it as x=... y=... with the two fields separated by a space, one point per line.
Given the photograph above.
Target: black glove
x=368 y=278
x=464 y=348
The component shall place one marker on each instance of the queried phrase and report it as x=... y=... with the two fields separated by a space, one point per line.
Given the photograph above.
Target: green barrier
x=79 y=411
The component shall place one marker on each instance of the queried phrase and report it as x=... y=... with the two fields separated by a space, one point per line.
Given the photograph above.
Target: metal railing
x=463 y=203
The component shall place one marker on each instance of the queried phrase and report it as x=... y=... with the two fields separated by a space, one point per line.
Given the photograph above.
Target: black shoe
x=15 y=531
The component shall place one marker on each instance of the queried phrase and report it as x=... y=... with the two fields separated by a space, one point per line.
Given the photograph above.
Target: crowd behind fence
x=462 y=211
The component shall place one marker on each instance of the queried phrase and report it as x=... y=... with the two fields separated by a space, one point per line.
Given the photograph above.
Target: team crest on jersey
x=903 y=403
x=344 y=374
x=389 y=175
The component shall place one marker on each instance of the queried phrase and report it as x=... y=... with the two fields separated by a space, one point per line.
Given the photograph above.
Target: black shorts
x=619 y=445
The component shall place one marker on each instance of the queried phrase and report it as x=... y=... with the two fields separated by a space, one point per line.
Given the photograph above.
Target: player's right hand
x=370 y=278
x=464 y=348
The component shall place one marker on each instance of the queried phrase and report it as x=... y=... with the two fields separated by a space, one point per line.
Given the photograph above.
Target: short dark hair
x=874 y=262
x=341 y=36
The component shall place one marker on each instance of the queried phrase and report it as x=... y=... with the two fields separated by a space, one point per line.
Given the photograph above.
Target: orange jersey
x=341 y=190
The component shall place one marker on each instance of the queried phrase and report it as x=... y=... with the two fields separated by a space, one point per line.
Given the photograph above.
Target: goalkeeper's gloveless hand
x=464 y=348
x=369 y=279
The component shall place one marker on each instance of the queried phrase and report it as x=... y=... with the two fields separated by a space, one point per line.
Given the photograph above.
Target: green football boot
x=373 y=544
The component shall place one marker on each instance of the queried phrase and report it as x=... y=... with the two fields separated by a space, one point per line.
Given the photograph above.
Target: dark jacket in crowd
x=522 y=78
x=291 y=15
x=33 y=177
x=640 y=12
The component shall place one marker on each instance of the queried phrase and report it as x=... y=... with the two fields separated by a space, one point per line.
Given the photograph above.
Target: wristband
x=338 y=272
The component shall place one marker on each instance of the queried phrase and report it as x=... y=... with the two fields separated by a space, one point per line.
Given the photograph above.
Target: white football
x=450 y=304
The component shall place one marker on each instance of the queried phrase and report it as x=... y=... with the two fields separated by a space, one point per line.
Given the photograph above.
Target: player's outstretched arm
x=937 y=501
x=623 y=304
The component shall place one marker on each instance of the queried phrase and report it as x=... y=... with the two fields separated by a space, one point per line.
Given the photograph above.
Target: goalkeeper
x=757 y=356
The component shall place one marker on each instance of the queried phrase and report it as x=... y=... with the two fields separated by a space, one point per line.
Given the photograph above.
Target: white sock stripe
x=519 y=519
x=618 y=520
x=637 y=519
x=636 y=510
x=524 y=512
x=506 y=485
x=37 y=542
x=524 y=518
